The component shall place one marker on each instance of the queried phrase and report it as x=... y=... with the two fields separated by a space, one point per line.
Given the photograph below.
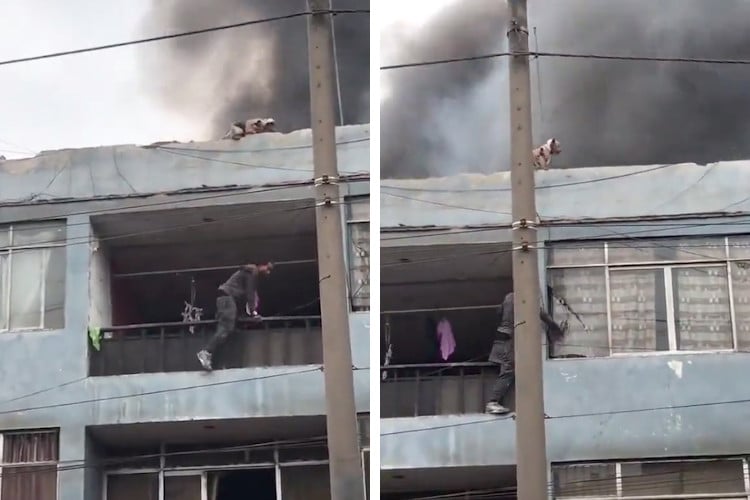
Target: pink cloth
x=446 y=339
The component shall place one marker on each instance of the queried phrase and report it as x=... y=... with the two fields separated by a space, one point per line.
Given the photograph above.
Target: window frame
x=618 y=478
x=667 y=266
x=56 y=463
x=8 y=251
x=352 y=221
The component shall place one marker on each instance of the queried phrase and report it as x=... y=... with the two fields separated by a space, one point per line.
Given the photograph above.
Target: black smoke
x=248 y=72
x=448 y=119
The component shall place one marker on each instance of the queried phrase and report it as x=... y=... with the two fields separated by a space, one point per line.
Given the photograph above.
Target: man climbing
x=239 y=293
x=503 y=353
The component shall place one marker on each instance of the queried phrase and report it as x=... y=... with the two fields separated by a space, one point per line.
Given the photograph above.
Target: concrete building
x=644 y=397
x=102 y=250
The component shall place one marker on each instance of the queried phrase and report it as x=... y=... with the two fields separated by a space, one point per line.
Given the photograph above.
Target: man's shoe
x=205 y=359
x=495 y=408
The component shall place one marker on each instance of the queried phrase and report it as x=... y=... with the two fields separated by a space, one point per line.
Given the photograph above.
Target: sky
x=92 y=99
x=80 y=100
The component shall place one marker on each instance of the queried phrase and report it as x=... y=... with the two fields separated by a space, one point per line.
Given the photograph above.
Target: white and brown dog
x=543 y=154
x=254 y=126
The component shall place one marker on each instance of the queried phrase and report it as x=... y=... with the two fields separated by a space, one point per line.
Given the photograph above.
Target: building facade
x=647 y=267
x=109 y=262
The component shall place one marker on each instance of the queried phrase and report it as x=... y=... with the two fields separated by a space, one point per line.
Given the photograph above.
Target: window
x=358 y=228
x=669 y=294
x=28 y=469
x=707 y=478
x=32 y=276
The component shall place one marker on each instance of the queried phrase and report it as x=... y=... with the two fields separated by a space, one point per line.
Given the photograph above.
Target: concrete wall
x=639 y=406
x=43 y=375
x=127 y=170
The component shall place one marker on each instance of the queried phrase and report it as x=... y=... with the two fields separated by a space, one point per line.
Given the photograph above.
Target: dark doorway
x=253 y=484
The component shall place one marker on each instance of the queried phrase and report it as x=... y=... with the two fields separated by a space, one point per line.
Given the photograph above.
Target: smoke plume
x=254 y=71
x=443 y=120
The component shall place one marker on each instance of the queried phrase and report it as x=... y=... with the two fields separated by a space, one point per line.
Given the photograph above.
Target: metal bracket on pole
x=523 y=224
x=327 y=202
x=326 y=180
x=515 y=27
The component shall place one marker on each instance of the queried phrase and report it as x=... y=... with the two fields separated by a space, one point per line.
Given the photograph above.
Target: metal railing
x=172 y=347
x=436 y=389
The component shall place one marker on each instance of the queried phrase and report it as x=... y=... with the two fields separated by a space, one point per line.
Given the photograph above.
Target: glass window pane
x=29 y=447
x=39 y=233
x=359 y=208
x=309 y=482
x=739 y=247
x=702 y=313
x=577 y=253
x=681 y=478
x=4 y=236
x=26 y=287
x=666 y=250
x=584 y=480
x=131 y=486
x=54 y=290
x=639 y=311
x=584 y=292
x=29 y=483
x=741 y=292
x=4 y=291
x=359 y=261
x=182 y=488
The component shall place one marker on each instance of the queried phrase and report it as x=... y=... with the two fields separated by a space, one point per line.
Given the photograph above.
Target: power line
x=259 y=150
x=175 y=35
x=164 y=391
x=68 y=465
x=568 y=55
x=60 y=242
x=242 y=164
x=539 y=187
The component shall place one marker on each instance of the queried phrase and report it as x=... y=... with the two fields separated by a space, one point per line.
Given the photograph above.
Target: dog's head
x=554 y=146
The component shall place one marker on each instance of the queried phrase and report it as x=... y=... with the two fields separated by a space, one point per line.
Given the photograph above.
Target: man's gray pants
x=503 y=354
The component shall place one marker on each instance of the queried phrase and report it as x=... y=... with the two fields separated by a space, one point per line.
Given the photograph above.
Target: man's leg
x=504 y=382
x=502 y=354
x=226 y=317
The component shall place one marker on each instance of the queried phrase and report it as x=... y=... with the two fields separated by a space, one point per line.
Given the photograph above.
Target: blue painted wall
x=598 y=388
x=42 y=370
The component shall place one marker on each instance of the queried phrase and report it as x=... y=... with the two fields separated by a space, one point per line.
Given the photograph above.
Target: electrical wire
x=259 y=150
x=85 y=240
x=178 y=35
x=567 y=55
x=165 y=391
x=538 y=187
x=244 y=164
x=69 y=465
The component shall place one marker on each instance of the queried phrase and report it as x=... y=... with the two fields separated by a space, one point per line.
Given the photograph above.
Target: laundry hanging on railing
x=389 y=350
x=191 y=313
x=446 y=339
x=95 y=334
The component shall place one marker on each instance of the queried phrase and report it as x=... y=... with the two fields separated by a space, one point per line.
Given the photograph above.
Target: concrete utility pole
x=347 y=482
x=531 y=461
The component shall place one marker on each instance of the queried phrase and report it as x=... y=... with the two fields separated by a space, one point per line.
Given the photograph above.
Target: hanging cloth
x=389 y=349
x=446 y=339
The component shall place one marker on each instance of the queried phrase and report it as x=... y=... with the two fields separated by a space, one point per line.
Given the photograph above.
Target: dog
x=543 y=154
x=238 y=130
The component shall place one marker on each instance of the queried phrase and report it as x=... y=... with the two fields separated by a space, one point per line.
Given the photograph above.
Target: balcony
x=172 y=347
x=436 y=389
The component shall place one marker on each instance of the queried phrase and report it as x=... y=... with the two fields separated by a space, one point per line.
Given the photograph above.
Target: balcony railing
x=172 y=347
x=436 y=389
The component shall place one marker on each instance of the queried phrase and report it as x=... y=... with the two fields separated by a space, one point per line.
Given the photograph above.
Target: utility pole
x=347 y=482
x=531 y=455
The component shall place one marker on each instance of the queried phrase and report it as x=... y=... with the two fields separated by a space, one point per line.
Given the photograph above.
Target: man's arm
x=553 y=329
x=251 y=273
